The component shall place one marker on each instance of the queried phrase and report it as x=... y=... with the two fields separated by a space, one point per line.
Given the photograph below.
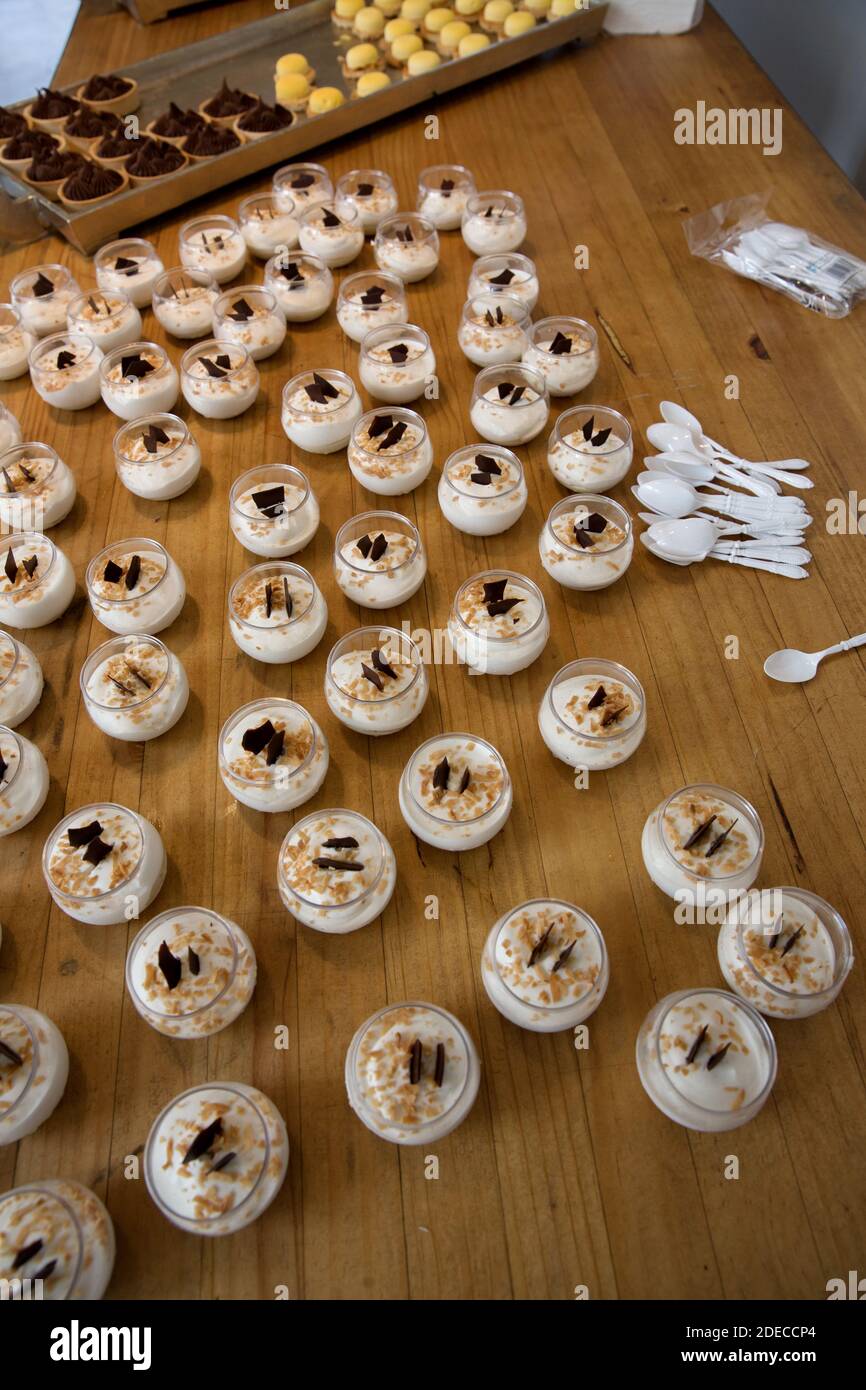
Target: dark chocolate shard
x=271 y=501
x=777 y=932
x=133 y=573
x=446 y=185
x=170 y=965
x=241 y=310
x=223 y=360
x=302 y=180
x=539 y=948
x=502 y=605
x=563 y=956
x=46 y=1271
x=560 y=344
x=30 y=565
x=152 y=436
x=292 y=273
x=211 y=367
x=7 y=478
x=394 y=435
x=441 y=774
x=485 y=464
x=717 y=1057
x=139 y=675
x=364 y=190
x=792 y=939
x=503 y=278
x=364 y=544
x=79 y=835
x=321 y=390
x=26 y=1253
x=372 y=676
x=9 y=1054
x=42 y=286
x=587 y=428
x=65 y=359
x=96 y=851
x=135 y=365
x=223 y=1161
x=112 y=573
x=489 y=211
x=416 y=1056
x=119 y=685
x=4 y=767
x=351 y=864
x=288 y=603
x=720 y=839
x=494 y=589
x=254 y=740
x=380 y=424
x=25 y=472
x=380 y=665
x=10 y=567
x=404 y=234
x=124 y=263
x=194 y=961
x=372 y=297
x=583 y=538
x=203 y=1141
x=378 y=548
x=595 y=523
x=439 y=1068
x=274 y=750
x=504 y=389
x=516 y=394
x=330 y=219
x=613 y=713
x=464 y=781
x=600 y=438
x=696 y=1045
x=698 y=833
x=341 y=842
x=598 y=698
x=481 y=479
x=269 y=599
x=398 y=353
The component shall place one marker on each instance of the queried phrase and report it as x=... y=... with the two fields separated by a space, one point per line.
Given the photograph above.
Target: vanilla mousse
x=156 y=457
x=251 y=317
x=216 y=1158
x=273 y=510
x=407 y=246
x=493 y=330
x=593 y=714
x=134 y=688
x=134 y=586
x=587 y=542
x=375 y=681
x=268 y=224
x=397 y=363
x=219 y=380
x=335 y=237
x=20 y=681
x=498 y=623
x=509 y=404
x=390 y=452
x=565 y=352
x=482 y=490
x=16 y=343
x=368 y=192
x=455 y=792
x=379 y=560
x=302 y=185
x=138 y=379
x=190 y=972
x=65 y=370
x=703 y=844
x=319 y=409
x=545 y=966
x=37 y=489
x=272 y=755
x=590 y=448
x=56 y=1238
x=110 y=319
x=34 y=1067
x=368 y=300
x=513 y=275
x=104 y=864
x=131 y=266
x=336 y=871
x=277 y=612
x=785 y=951
x=10 y=430
x=706 y=1059
x=183 y=302
x=23 y=781
x=213 y=243
x=412 y=1073
x=493 y=221
x=303 y=286
x=37 y=581
x=443 y=190
x=42 y=296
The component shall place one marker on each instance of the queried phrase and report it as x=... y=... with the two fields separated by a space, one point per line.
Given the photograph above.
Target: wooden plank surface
x=564 y=1174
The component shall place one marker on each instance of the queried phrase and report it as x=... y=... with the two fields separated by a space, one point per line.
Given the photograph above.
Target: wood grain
x=564 y=1174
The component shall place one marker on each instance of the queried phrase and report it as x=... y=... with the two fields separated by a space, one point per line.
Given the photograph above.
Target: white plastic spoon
x=704 y=467
x=675 y=414
x=769 y=503
x=771 y=567
x=695 y=537
x=676 y=498
x=791 y=538
x=794 y=666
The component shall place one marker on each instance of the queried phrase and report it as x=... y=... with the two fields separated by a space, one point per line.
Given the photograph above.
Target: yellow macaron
x=395 y=28
x=520 y=22
x=422 y=62
x=361 y=57
x=344 y=12
x=495 y=14
x=450 y=36
x=560 y=8
x=369 y=23
x=371 y=82
x=435 y=20
x=292 y=62
x=403 y=47
x=325 y=99
x=473 y=43
x=292 y=89
x=389 y=7
x=415 y=10
x=537 y=7
x=469 y=7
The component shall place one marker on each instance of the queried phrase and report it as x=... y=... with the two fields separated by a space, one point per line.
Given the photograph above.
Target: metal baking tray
x=246 y=57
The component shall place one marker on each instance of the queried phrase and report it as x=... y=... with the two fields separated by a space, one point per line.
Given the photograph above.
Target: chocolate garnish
x=378 y=548
x=139 y=675
x=485 y=464
x=153 y=435
x=482 y=479
x=372 y=676
x=11 y=566
x=27 y=1252
x=112 y=573
x=133 y=573
x=587 y=428
x=170 y=965
x=10 y=486
x=464 y=781
x=65 y=359
x=194 y=961
x=96 y=851
x=291 y=272
x=321 y=389
x=124 y=263
x=516 y=394
x=254 y=740
x=416 y=1053
x=564 y=955
x=302 y=180
x=330 y=219
x=595 y=522
x=720 y=839
x=696 y=1045
x=502 y=605
x=212 y=368
x=379 y=425
x=446 y=185
x=795 y=936
x=441 y=774
x=46 y=1271
x=287 y=597
x=380 y=665
x=4 y=767
x=30 y=565
x=538 y=949
x=269 y=599
x=560 y=344
x=241 y=310
x=274 y=750
x=223 y=1161
x=696 y=834
x=351 y=864
x=42 y=286
x=394 y=435
x=341 y=842
x=203 y=1141
x=505 y=388
x=615 y=712
x=489 y=212
x=79 y=835
x=404 y=234
x=373 y=297
x=271 y=500
x=598 y=698
x=124 y=689
x=223 y=360
x=439 y=1068
x=364 y=544
x=11 y=1056
x=25 y=472
x=364 y=190
x=135 y=365
x=774 y=939
x=600 y=438
x=494 y=589
x=503 y=278
x=398 y=353
x=717 y=1057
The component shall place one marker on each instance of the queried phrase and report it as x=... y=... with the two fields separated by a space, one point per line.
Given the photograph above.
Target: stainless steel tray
x=247 y=57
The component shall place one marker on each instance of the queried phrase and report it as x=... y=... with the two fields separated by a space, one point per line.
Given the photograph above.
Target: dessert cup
x=493 y=221
x=109 y=319
x=269 y=224
x=368 y=192
x=273 y=510
x=42 y=296
x=156 y=457
x=498 y=623
x=33 y=1073
x=509 y=404
x=397 y=363
x=23 y=781
x=134 y=587
x=565 y=352
x=302 y=285
x=37 y=581
x=215 y=244
x=593 y=714
x=390 y=452
x=56 y=1242
x=319 y=409
x=336 y=871
x=183 y=302
x=10 y=430
x=20 y=681
x=37 y=489
x=138 y=379
x=250 y=317
x=218 y=379
x=369 y=299
x=482 y=490
x=379 y=559
x=277 y=612
x=97 y=886
x=336 y=238
x=703 y=845
x=190 y=972
x=513 y=275
x=443 y=190
x=16 y=343
x=375 y=681
x=304 y=185
x=134 y=688
x=65 y=370
x=587 y=542
x=272 y=755
x=590 y=448
x=545 y=966
x=455 y=792
x=131 y=266
x=494 y=329
x=407 y=245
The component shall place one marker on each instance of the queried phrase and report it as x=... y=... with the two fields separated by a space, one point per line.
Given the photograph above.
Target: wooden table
x=565 y=1174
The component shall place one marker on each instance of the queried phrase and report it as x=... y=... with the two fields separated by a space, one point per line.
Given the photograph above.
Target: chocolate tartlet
x=87 y=126
x=153 y=160
x=90 y=183
x=105 y=87
x=48 y=170
x=210 y=140
x=176 y=124
x=24 y=147
x=114 y=150
x=228 y=104
x=52 y=106
x=11 y=123
x=261 y=119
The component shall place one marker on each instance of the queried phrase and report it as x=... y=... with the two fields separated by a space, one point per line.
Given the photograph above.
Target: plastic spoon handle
x=781 y=475
x=846 y=646
x=755 y=550
x=761 y=487
x=772 y=567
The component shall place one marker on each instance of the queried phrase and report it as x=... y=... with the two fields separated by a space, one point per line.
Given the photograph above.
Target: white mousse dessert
x=16 y=343
x=219 y=379
x=509 y=404
x=587 y=542
x=34 y=1067
x=786 y=951
x=703 y=843
x=455 y=792
x=252 y=317
x=302 y=186
x=37 y=489
x=272 y=755
x=375 y=681
x=216 y=1158
x=493 y=221
x=706 y=1059
x=482 y=490
x=156 y=457
x=494 y=329
x=213 y=243
x=131 y=266
x=42 y=296
x=590 y=449
x=334 y=237
x=498 y=623
x=135 y=586
x=390 y=452
x=336 y=871
x=138 y=379
x=319 y=409
x=65 y=371
x=190 y=972
x=545 y=966
x=379 y=560
x=110 y=318
x=512 y=275
x=23 y=781
x=57 y=1240
x=443 y=190
x=368 y=192
x=37 y=582
x=273 y=510
x=412 y=1073
x=134 y=688
x=20 y=681
x=397 y=363
x=277 y=612
x=407 y=246
x=268 y=224
x=368 y=300
x=183 y=301
x=104 y=864
x=303 y=286
x=593 y=714
x=565 y=352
